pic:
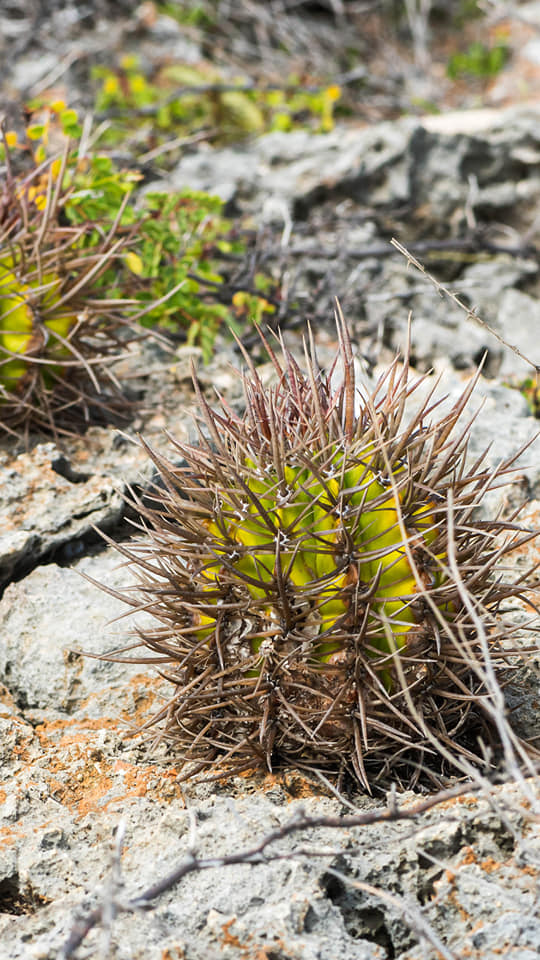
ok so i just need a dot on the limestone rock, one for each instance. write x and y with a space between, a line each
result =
46 504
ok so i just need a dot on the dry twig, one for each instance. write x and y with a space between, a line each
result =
469 311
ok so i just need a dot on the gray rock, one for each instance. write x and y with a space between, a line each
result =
29 71
439 328
385 165
501 425
491 168
44 505
224 173
519 320
48 620
487 279
296 907
530 11
369 165
485 282
165 38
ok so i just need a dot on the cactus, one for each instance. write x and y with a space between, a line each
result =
297 564
59 330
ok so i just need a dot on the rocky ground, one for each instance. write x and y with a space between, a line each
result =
462 880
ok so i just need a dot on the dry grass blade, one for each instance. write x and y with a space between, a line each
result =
469 311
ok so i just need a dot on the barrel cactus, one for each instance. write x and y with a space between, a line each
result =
60 329
297 563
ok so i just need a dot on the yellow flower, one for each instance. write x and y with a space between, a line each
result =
333 92
56 166
137 83
111 85
134 263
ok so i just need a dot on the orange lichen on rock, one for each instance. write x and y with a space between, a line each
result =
296 785
245 948
66 732
173 953
10 835
230 939
84 779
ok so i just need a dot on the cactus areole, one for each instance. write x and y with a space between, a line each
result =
297 566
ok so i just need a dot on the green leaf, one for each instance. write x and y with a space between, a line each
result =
68 117
35 131
134 263
73 130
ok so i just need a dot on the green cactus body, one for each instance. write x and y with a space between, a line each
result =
301 521
19 301
15 327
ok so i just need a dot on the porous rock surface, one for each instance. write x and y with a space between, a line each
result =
462 881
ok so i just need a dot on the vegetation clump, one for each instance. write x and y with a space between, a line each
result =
478 60
85 266
187 100
60 329
317 577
